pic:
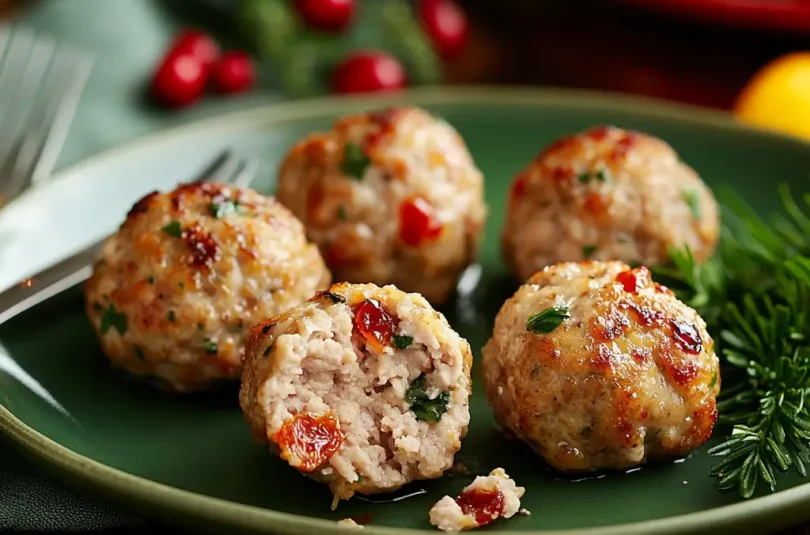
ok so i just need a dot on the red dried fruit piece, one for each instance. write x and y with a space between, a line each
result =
417 222
368 71
634 280
375 324
686 337
307 440
484 505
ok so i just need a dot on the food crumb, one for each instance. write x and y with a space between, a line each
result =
483 501
684 482
350 522
524 512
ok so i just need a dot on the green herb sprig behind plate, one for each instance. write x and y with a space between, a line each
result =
755 297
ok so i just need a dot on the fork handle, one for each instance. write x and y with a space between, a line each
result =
48 282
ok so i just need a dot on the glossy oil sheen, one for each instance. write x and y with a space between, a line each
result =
201 444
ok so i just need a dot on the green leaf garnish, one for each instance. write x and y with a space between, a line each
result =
691 198
173 229
588 250
113 319
546 321
402 341
426 409
223 208
355 162
602 175
753 294
583 177
210 346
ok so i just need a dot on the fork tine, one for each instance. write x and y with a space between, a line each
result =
14 62
32 157
246 172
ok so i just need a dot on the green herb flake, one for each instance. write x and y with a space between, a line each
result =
171 315
546 321
583 177
402 341
426 409
210 346
150 279
223 208
181 285
714 379
173 229
623 238
113 319
602 175
200 326
691 198
535 373
341 213
588 250
355 162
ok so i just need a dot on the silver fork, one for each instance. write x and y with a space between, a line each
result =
71 271
41 82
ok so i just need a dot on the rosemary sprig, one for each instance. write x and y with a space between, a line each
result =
754 295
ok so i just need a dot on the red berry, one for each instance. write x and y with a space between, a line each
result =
179 80
445 23
326 15
197 44
368 71
234 72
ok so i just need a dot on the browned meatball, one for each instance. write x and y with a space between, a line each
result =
607 194
175 290
391 197
596 366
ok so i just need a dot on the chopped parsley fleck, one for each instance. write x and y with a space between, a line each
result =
426 409
583 177
200 326
714 379
588 250
151 279
112 318
546 321
341 213
402 341
139 353
223 208
173 229
602 175
355 162
181 285
336 298
171 315
210 346
623 238
691 198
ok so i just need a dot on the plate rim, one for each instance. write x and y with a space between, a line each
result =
162 500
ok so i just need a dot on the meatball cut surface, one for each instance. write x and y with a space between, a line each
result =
391 197
364 388
596 366
607 194
176 289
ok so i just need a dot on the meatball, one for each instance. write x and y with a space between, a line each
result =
607 194
483 501
391 197
364 388
175 290
596 366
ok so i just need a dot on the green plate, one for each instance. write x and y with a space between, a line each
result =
192 460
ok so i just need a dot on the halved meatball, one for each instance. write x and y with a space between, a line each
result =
391 197
176 289
483 501
607 194
364 388
596 366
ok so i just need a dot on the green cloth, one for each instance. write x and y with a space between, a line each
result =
127 38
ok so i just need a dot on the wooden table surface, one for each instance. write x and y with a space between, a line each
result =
601 44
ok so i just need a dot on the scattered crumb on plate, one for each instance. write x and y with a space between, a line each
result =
524 512
483 501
